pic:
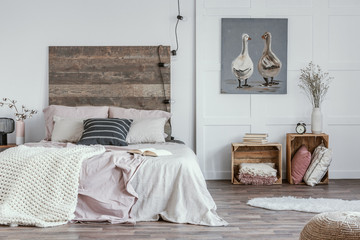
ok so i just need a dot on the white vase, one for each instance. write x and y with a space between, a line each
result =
316 121
20 132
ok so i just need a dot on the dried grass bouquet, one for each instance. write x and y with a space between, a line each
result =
24 114
315 83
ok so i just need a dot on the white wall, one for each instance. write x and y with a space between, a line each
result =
325 31
27 28
320 30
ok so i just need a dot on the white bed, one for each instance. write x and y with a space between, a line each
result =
114 186
117 187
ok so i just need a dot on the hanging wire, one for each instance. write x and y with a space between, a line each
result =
166 100
161 74
176 35
179 17
179 8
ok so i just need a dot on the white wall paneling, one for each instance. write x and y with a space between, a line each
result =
276 4
217 141
341 36
344 4
29 27
323 31
345 144
216 4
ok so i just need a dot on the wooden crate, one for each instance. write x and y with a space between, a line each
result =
255 153
294 141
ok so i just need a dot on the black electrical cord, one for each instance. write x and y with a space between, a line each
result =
176 36
179 17
161 65
166 100
179 8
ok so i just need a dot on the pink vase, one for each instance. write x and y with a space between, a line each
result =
20 132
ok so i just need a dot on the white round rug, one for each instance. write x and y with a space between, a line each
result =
314 205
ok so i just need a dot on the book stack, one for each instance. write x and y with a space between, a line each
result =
255 138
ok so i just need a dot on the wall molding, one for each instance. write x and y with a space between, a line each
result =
343 120
335 174
277 121
216 175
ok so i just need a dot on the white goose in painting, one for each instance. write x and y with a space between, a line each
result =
269 64
242 66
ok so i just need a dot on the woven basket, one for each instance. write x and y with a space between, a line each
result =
333 225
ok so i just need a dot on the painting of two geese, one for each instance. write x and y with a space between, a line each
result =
254 56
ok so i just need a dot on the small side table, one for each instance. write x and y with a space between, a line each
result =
255 153
4 147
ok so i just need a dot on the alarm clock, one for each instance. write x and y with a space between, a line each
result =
300 127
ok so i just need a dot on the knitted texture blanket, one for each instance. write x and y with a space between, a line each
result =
39 185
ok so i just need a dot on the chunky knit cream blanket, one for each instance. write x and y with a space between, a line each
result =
39 185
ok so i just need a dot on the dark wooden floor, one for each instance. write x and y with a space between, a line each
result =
245 222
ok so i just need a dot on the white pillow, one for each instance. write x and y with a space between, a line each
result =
131 113
320 162
147 131
80 112
67 130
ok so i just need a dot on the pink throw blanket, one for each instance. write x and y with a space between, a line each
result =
256 180
104 190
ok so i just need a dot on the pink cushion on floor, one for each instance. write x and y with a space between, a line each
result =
300 163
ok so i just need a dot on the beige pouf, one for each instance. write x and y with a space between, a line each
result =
332 225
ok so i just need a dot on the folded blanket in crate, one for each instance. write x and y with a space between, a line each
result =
257 173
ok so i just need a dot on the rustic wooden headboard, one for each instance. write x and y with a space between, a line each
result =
110 76
127 76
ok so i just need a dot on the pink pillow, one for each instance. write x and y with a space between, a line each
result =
82 112
300 163
131 113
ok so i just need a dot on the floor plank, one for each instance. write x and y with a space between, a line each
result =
245 222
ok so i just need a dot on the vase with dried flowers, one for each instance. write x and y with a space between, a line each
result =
25 113
315 84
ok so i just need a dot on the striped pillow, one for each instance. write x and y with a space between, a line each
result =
105 131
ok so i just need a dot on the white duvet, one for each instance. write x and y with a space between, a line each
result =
173 188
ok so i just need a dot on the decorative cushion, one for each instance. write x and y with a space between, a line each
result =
83 112
147 131
131 113
136 114
333 225
320 163
67 130
300 163
105 131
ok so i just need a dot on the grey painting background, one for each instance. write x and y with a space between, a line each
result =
231 45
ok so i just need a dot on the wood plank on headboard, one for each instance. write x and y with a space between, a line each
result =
126 76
